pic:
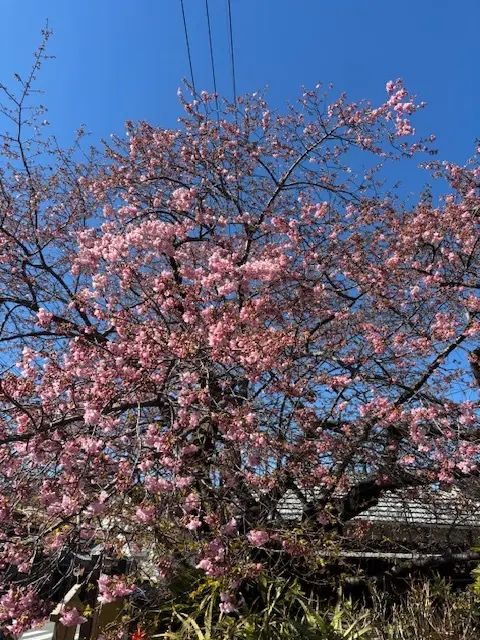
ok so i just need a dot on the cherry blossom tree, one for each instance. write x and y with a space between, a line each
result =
194 321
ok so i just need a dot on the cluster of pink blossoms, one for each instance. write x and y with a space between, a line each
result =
110 588
21 609
71 617
258 538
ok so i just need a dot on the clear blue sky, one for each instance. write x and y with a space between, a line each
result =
124 59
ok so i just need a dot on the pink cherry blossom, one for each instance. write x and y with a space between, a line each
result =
258 538
145 514
44 318
193 524
113 587
71 617
228 603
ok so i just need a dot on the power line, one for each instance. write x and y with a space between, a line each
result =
232 55
188 46
211 51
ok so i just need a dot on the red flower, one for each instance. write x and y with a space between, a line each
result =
138 635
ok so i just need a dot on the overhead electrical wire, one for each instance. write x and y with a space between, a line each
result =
212 59
188 46
232 54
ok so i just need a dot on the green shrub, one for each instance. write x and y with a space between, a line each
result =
279 609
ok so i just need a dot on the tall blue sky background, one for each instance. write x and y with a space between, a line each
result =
124 59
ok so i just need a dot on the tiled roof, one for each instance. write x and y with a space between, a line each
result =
431 507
